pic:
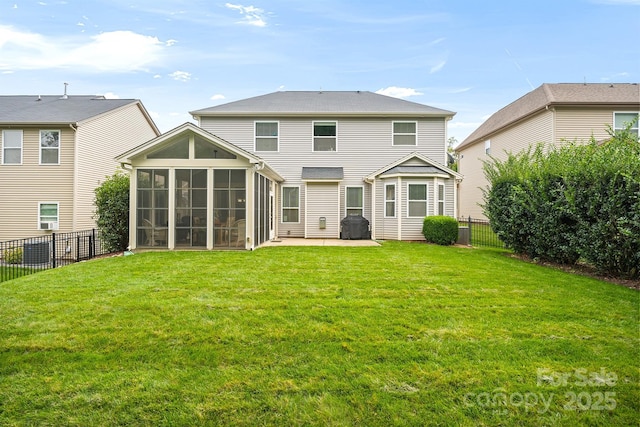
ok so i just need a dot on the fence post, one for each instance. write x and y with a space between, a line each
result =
92 244
470 233
53 250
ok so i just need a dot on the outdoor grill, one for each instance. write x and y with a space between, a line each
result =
354 227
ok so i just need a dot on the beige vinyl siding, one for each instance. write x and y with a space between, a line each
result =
536 129
580 123
99 140
23 186
319 205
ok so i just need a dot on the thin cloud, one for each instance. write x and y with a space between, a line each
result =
251 15
398 92
439 66
181 76
111 95
115 51
217 97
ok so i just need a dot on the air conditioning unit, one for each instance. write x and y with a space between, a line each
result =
48 226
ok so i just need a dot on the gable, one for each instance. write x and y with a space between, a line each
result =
414 165
180 147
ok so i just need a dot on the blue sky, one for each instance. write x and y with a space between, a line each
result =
471 57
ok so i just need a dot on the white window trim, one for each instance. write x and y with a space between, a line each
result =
426 201
346 207
255 136
395 199
487 147
40 147
443 200
21 146
57 221
282 207
393 133
637 124
313 125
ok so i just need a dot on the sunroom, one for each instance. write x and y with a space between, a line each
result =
191 189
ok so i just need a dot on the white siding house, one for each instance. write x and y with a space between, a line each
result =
324 155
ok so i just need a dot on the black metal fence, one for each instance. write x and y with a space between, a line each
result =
479 232
31 255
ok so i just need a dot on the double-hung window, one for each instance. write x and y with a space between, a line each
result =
355 201
405 133
11 147
417 200
622 120
390 201
48 215
49 147
440 199
325 136
266 136
291 204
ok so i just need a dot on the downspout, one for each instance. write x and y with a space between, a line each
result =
74 208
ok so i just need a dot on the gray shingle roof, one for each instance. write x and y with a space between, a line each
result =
315 102
322 173
52 109
556 94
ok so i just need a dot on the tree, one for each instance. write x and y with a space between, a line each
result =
112 211
452 156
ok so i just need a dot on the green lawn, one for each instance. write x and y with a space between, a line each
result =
402 334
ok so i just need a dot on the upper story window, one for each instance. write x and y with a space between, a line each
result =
417 200
325 136
266 136
49 147
487 147
405 133
355 201
291 204
622 120
11 147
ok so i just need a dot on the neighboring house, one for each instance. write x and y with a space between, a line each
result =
292 164
54 151
550 114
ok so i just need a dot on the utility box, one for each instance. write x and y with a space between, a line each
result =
36 253
463 236
323 222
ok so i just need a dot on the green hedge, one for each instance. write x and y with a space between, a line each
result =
442 230
112 211
12 256
572 202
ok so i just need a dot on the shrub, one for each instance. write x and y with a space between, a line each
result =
572 202
112 211
442 230
12 256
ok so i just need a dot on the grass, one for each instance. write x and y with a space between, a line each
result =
13 272
402 334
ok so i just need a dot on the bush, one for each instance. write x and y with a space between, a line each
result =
442 230
572 202
12 256
112 211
